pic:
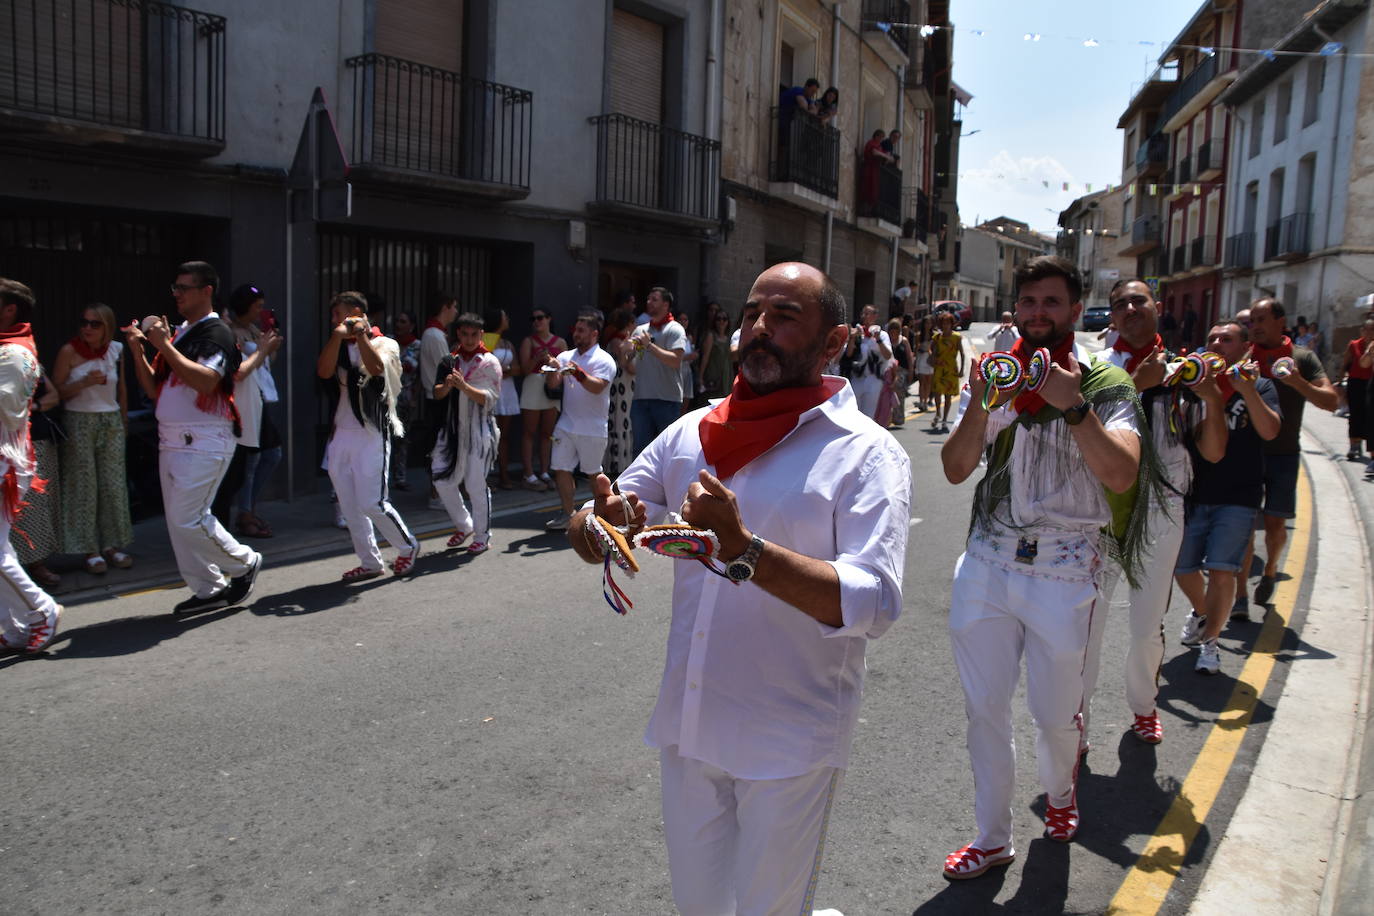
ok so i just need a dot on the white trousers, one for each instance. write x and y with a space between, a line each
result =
469 471
357 461
1148 606
997 614
206 554
867 389
22 603
743 846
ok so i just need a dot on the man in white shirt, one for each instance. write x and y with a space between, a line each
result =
765 665
434 346
192 381
28 615
367 368
579 439
1003 337
867 354
467 385
1028 581
659 348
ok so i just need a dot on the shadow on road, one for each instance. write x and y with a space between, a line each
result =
1044 886
124 636
311 599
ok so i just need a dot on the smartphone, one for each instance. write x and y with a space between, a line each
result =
268 320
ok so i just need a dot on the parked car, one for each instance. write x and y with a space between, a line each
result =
963 314
1097 318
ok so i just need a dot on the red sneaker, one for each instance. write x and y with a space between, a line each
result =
1148 728
1061 824
41 634
360 573
970 862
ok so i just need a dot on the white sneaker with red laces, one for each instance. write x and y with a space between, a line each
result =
406 562
970 862
458 539
1061 824
41 634
1148 728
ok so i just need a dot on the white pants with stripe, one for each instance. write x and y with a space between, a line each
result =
469 471
22 602
743 846
999 613
357 461
1148 606
207 555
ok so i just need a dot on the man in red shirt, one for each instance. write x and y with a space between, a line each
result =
1358 367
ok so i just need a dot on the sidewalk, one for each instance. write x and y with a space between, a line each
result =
1302 836
303 528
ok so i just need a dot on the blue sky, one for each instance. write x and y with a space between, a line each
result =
1046 110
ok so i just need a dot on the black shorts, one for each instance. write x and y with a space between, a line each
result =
1281 485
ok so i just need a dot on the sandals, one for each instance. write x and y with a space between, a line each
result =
253 527
360 573
95 565
458 539
44 576
406 562
970 862
117 558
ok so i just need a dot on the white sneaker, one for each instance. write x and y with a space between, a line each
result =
1192 630
1209 658
339 520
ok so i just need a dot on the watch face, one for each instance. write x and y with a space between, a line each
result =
739 572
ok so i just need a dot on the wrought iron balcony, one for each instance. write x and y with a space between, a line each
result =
1190 86
879 191
649 169
917 223
880 14
1209 160
1180 260
1145 235
805 151
1183 172
412 122
1202 251
79 69
1152 155
1288 238
1240 251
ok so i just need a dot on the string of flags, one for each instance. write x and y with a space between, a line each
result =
1328 49
1147 188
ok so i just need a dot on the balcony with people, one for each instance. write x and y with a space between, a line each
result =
804 160
134 75
878 195
424 126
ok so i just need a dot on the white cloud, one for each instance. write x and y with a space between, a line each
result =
1006 168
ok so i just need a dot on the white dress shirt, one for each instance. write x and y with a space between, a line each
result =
584 413
751 684
1003 338
1041 499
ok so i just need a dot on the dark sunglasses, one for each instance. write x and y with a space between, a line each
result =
539 318
90 323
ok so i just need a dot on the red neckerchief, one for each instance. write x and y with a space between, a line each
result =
1030 402
745 425
1137 354
865 330
661 324
20 334
466 355
406 340
1265 356
435 323
85 350
1227 389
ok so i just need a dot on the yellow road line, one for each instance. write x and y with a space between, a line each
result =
1149 880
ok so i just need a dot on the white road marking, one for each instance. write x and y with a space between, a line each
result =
915 522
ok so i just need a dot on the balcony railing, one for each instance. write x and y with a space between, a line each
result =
880 191
917 223
1180 261
1191 85
1202 251
805 151
643 164
418 118
1209 158
1289 237
1151 155
128 64
1183 172
880 14
1240 251
1145 231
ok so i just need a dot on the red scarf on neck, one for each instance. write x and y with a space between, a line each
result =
1265 356
745 425
466 355
435 323
661 323
1137 354
406 340
85 350
20 334
1227 389
1030 402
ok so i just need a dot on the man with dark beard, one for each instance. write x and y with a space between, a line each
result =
765 665
1029 580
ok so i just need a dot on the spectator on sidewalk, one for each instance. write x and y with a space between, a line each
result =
1178 419
1004 336
1282 453
579 440
619 434
925 330
192 381
89 376
467 384
690 354
28 615
947 358
1226 497
434 346
497 324
864 360
659 346
409 400
717 373
1359 423
367 368
538 411
898 375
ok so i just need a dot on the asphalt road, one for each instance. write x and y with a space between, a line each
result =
469 741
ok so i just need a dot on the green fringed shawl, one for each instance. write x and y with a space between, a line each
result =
1126 533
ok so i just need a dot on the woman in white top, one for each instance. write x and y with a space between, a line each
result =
495 324
89 376
254 388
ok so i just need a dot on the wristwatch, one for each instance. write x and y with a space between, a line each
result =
741 568
1074 415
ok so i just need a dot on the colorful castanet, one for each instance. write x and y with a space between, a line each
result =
1216 363
1188 370
679 542
1038 369
1244 370
1003 376
1283 367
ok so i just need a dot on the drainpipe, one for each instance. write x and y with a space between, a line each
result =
835 24
1331 172
713 73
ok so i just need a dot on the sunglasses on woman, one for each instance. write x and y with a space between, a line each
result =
90 323
540 318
